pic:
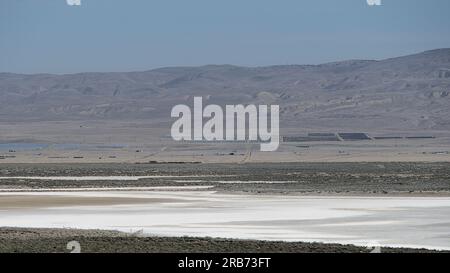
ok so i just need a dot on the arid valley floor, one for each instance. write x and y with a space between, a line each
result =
251 207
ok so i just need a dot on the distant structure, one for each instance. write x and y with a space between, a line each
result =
327 137
347 137
354 136
312 137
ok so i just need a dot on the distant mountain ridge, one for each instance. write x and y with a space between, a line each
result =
408 93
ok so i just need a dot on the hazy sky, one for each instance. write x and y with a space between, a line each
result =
126 35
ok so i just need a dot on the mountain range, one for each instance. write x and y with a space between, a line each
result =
405 93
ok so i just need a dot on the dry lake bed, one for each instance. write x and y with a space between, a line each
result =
397 205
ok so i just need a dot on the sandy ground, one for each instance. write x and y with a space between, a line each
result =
9 202
124 149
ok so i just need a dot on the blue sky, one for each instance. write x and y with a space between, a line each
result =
38 36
